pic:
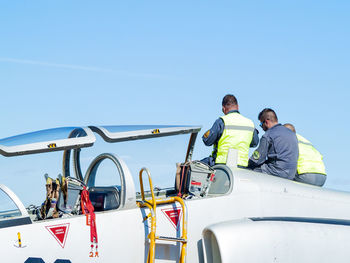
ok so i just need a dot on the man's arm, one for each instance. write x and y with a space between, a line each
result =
213 135
260 154
255 140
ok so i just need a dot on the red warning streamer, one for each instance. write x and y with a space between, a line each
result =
88 210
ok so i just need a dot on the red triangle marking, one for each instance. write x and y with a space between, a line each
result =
59 232
173 215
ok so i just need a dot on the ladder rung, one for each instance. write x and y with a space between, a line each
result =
175 239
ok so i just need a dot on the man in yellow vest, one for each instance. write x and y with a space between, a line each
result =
310 169
230 131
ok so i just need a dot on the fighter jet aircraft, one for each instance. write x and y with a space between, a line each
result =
208 214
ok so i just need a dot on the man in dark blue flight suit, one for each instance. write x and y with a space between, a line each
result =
277 153
230 131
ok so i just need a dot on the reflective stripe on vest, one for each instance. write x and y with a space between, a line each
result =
237 134
310 160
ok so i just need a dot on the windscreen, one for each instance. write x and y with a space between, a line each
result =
8 209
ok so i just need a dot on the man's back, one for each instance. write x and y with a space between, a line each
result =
283 152
277 153
310 169
230 131
310 160
237 134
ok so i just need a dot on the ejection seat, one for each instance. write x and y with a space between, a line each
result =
198 180
71 203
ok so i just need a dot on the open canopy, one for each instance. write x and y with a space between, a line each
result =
137 132
65 138
47 140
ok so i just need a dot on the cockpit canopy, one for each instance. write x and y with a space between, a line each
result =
56 153
66 138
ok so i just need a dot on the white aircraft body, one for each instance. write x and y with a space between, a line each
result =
232 215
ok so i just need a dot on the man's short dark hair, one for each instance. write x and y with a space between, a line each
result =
268 114
229 100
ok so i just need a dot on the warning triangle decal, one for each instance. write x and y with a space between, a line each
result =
59 232
173 215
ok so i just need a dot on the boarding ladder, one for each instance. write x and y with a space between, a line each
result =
151 204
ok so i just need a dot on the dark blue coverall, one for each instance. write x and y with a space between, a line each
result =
212 137
277 153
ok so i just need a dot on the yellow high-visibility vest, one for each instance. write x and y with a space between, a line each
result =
310 160
237 134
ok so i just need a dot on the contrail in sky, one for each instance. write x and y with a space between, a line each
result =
79 67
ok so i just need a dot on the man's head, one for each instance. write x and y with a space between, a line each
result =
289 126
267 118
229 103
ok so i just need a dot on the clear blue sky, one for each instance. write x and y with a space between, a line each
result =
65 63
